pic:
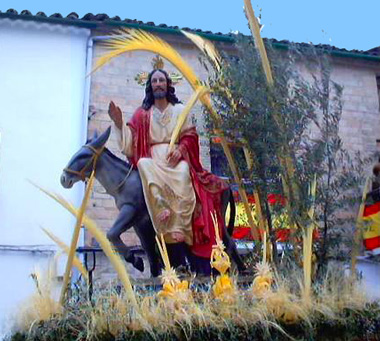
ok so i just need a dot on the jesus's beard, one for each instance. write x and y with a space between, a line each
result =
159 94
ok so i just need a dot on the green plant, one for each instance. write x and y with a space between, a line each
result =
299 114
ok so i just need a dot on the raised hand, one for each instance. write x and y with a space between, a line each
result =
115 114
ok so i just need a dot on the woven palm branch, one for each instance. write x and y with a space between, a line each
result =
75 236
128 40
359 228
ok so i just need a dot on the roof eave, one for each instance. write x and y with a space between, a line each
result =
336 53
50 20
164 30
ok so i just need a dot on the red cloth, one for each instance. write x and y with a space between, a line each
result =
139 125
371 209
282 235
208 187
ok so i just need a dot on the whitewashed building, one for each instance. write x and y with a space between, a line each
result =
42 123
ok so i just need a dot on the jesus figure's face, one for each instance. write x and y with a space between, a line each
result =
159 85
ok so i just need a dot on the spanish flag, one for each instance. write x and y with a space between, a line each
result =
371 234
242 229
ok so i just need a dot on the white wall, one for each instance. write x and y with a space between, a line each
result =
42 82
17 284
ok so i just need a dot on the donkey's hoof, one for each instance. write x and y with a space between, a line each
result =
139 264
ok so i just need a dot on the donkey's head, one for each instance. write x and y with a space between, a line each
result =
83 162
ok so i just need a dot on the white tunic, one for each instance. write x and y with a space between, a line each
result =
164 187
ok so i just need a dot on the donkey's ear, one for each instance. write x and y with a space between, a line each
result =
93 138
102 139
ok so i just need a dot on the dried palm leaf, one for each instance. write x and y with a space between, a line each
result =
129 40
183 116
207 47
76 262
255 30
104 244
75 237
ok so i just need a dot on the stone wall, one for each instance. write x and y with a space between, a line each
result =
360 124
360 121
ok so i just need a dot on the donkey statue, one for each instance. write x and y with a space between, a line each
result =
123 183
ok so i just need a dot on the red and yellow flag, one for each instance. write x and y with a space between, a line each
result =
279 222
371 234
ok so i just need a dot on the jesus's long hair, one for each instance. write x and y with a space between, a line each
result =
149 97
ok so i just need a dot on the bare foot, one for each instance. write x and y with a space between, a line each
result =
178 237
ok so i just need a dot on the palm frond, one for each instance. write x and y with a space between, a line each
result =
75 236
182 117
76 262
163 251
128 40
255 30
206 47
209 49
104 244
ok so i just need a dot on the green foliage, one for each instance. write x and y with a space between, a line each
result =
297 119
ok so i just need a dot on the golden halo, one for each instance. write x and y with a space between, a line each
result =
157 63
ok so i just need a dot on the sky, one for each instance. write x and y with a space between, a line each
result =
341 23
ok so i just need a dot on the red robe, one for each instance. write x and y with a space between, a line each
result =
208 187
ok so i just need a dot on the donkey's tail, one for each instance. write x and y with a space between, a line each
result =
231 223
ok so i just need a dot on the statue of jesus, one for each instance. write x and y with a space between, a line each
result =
180 195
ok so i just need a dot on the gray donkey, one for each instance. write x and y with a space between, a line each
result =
123 182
